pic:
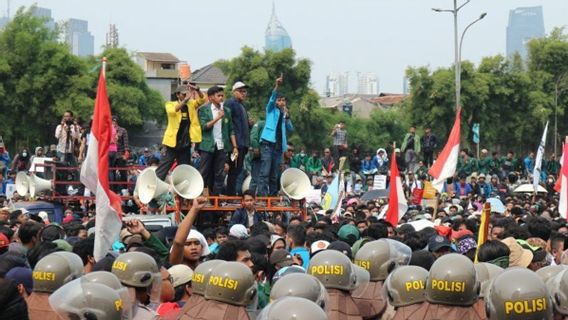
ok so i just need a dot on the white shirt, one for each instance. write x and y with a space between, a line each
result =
217 132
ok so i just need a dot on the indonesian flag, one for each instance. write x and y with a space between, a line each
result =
94 174
563 203
397 201
445 165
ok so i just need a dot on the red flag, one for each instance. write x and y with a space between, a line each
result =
445 165
94 174
397 201
563 178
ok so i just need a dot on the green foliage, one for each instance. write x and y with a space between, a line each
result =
40 79
130 97
259 70
36 73
511 99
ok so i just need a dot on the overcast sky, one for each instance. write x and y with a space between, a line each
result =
379 36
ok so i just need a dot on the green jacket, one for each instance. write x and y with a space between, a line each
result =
208 143
299 161
416 143
157 245
314 165
553 167
485 165
255 134
467 168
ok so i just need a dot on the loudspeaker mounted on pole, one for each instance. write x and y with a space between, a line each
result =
187 182
38 185
295 183
22 183
149 186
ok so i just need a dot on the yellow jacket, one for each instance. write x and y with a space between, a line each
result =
174 119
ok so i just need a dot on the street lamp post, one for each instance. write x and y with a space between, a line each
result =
457 48
458 66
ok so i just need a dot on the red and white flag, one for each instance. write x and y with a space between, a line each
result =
397 201
563 178
94 174
445 165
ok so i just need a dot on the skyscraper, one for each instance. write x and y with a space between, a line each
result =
367 83
337 84
46 14
80 40
525 23
276 38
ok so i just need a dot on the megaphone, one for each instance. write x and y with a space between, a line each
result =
295 183
246 183
38 185
187 181
22 183
149 186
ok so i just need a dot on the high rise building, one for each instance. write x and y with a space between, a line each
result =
337 84
5 19
276 37
46 14
77 36
367 83
525 23
112 37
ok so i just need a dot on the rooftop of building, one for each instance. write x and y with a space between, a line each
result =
159 57
209 74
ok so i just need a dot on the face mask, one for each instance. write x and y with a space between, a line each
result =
24 154
302 153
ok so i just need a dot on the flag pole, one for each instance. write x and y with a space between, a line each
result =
104 66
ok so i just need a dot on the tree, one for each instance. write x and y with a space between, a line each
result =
259 70
131 99
36 74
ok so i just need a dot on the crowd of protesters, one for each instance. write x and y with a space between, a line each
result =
428 266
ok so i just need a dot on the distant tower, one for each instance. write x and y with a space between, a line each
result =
276 38
524 24
112 37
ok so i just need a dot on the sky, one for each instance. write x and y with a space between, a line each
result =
377 36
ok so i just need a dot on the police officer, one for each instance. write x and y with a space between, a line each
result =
231 287
300 285
139 272
50 273
485 272
557 287
110 280
336 273
452 289
84 300
548 272
363 276
199 282
405 288
518 293
292 308
379 257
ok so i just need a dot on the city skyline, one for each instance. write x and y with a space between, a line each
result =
378 36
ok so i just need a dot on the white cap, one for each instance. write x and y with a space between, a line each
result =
181 274
318 246
239 85
43 215
239 231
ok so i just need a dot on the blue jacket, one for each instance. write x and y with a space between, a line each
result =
458 191
368 165
529 165
272 116
240 216
240 122
484 190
